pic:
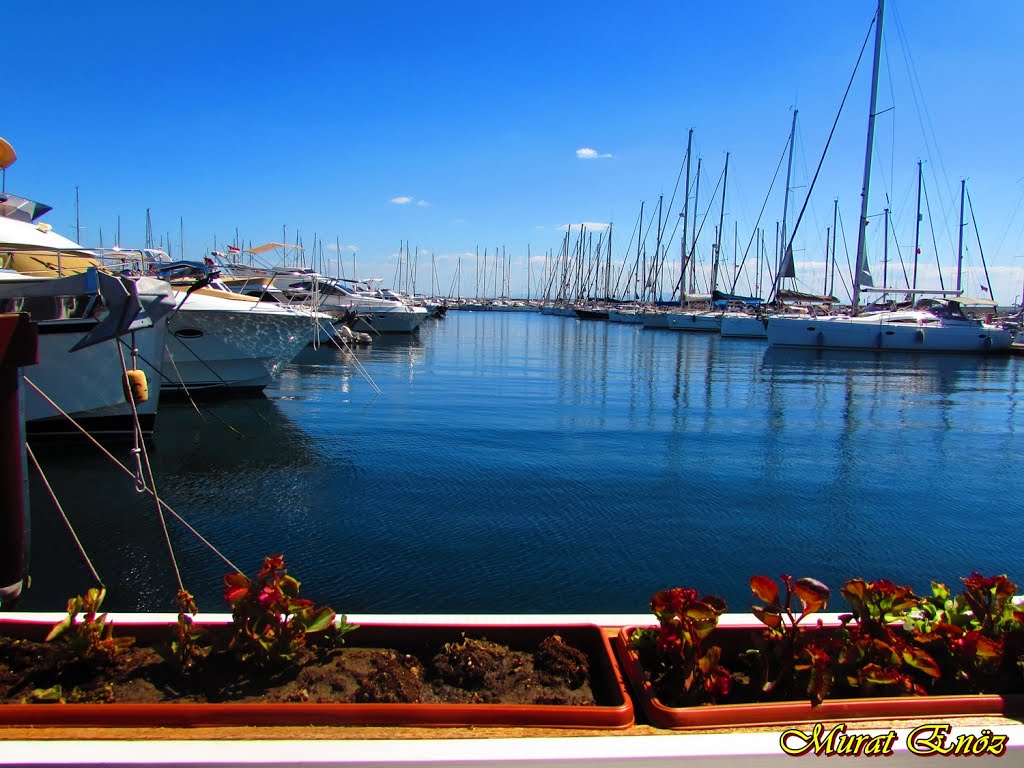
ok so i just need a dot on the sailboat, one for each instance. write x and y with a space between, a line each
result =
931 324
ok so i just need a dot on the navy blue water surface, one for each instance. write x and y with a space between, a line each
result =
526 463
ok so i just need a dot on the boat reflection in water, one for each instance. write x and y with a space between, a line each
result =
240 471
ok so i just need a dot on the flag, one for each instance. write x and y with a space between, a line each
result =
984 288
233 249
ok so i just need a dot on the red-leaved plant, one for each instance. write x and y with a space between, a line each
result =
788 657
270 622
977 636
878 656
89 635
680 667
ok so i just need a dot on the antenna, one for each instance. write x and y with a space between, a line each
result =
7 158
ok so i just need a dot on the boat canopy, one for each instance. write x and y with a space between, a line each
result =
21 208
809 298
273 246
975 302
732 298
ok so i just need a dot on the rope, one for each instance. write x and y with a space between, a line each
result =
128 472
353 359
140 448
63 516
180 381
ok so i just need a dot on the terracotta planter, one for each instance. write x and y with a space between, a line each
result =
613 709
790 712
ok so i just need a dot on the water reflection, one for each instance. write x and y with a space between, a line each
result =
508 453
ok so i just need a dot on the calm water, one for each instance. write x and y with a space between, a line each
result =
526 463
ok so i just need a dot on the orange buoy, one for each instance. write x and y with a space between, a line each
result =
135 386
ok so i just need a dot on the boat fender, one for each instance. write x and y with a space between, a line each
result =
919 336
987 343
135 386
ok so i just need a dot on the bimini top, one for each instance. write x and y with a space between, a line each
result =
274 246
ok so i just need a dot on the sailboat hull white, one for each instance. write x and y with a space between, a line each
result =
703 322
867 333
743 327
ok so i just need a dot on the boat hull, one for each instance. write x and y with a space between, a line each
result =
389 320
861 333
743 327
210 350
86 384
701 322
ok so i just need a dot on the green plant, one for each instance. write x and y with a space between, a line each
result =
680 667
90 636
270 622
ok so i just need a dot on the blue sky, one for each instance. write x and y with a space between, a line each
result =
458 126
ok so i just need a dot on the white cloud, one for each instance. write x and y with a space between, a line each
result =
342 248
422 203
591 226
586 153
401 200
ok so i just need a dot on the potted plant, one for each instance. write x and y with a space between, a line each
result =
282 660
894 655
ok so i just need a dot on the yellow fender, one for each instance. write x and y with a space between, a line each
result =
136 387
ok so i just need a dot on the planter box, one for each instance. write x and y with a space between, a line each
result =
787 713
613 709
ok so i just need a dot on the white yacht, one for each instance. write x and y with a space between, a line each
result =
220 341
354 300
79 318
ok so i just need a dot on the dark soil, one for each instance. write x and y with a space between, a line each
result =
468 670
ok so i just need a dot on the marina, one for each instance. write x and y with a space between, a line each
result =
547 473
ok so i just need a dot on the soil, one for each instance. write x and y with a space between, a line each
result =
468 670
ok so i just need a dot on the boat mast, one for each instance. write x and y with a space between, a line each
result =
960 247
917 224
785 205
693 245
718 234
885 255
831 284
862 226
686 209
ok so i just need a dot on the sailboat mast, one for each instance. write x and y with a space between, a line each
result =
693 245
785 199
960 247
863 224
917 224
718 234
885 254
686 211
830 283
